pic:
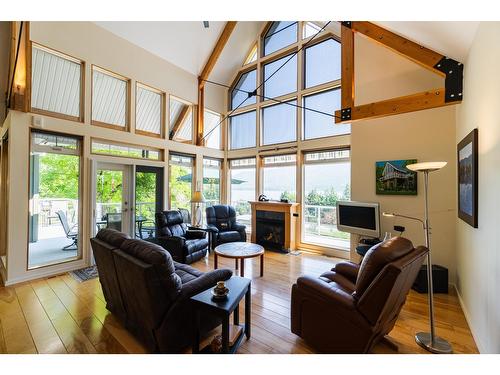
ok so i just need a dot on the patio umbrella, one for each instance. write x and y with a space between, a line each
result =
207 180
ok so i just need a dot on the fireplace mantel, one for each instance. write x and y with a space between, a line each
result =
290 211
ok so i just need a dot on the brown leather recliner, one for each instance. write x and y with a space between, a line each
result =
351 307
149 292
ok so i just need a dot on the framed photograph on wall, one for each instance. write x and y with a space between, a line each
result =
467 178
393 178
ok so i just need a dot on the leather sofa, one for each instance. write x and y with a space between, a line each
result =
350 308
185 246
149 292
221 219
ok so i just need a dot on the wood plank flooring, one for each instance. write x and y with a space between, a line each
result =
61 315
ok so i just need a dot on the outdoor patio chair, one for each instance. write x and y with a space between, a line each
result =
70 232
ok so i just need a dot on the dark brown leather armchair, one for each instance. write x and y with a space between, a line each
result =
149 292
351 307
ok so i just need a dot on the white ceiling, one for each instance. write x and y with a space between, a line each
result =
188 44
449 38
185 44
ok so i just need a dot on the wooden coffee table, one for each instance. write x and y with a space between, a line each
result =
242 251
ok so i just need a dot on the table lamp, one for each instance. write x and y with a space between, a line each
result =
427 340
198 199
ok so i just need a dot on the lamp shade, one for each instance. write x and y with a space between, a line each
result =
197 197
429 166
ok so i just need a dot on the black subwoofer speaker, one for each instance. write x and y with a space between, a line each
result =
439 279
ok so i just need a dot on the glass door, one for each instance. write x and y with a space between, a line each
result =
148 199
54 203
112 197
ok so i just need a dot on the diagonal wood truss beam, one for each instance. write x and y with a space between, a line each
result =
205 73
446 67
181 119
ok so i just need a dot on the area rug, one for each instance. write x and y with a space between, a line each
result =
85 274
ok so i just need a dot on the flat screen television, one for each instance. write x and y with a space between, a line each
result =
358 218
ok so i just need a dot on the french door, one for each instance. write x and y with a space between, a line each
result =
112 197
148 197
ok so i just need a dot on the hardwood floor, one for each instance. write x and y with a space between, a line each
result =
61 315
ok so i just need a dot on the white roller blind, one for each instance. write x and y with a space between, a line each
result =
55 83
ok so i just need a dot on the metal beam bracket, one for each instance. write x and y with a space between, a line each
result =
346 23
345 114
454 71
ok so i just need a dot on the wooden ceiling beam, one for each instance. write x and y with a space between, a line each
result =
347 69
449 69
205 73
403 104
405 47
219 47
180 120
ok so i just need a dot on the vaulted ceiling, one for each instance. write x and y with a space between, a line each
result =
189 44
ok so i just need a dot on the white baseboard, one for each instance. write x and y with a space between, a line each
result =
40 273
479 345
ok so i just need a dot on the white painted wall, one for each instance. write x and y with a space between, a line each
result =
427 135
478 250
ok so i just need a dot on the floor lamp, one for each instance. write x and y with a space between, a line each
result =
198 199
428 340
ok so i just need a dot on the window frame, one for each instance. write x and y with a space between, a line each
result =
79 151
317 41
193 115
193 177
262 38
127 81
285 55
162 110
247 69
337 249
284 103
230 130
221 173
303 119
161 153
220 129
255 166
82 63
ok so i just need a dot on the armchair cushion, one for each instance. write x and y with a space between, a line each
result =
213 228
338 278
347 269
195 245
186 273
229 236
204 282
329 292
195 234
239 227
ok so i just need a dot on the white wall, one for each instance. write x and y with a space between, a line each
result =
478 250
427 135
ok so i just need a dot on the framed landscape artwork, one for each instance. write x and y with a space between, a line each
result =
393 178
467 178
